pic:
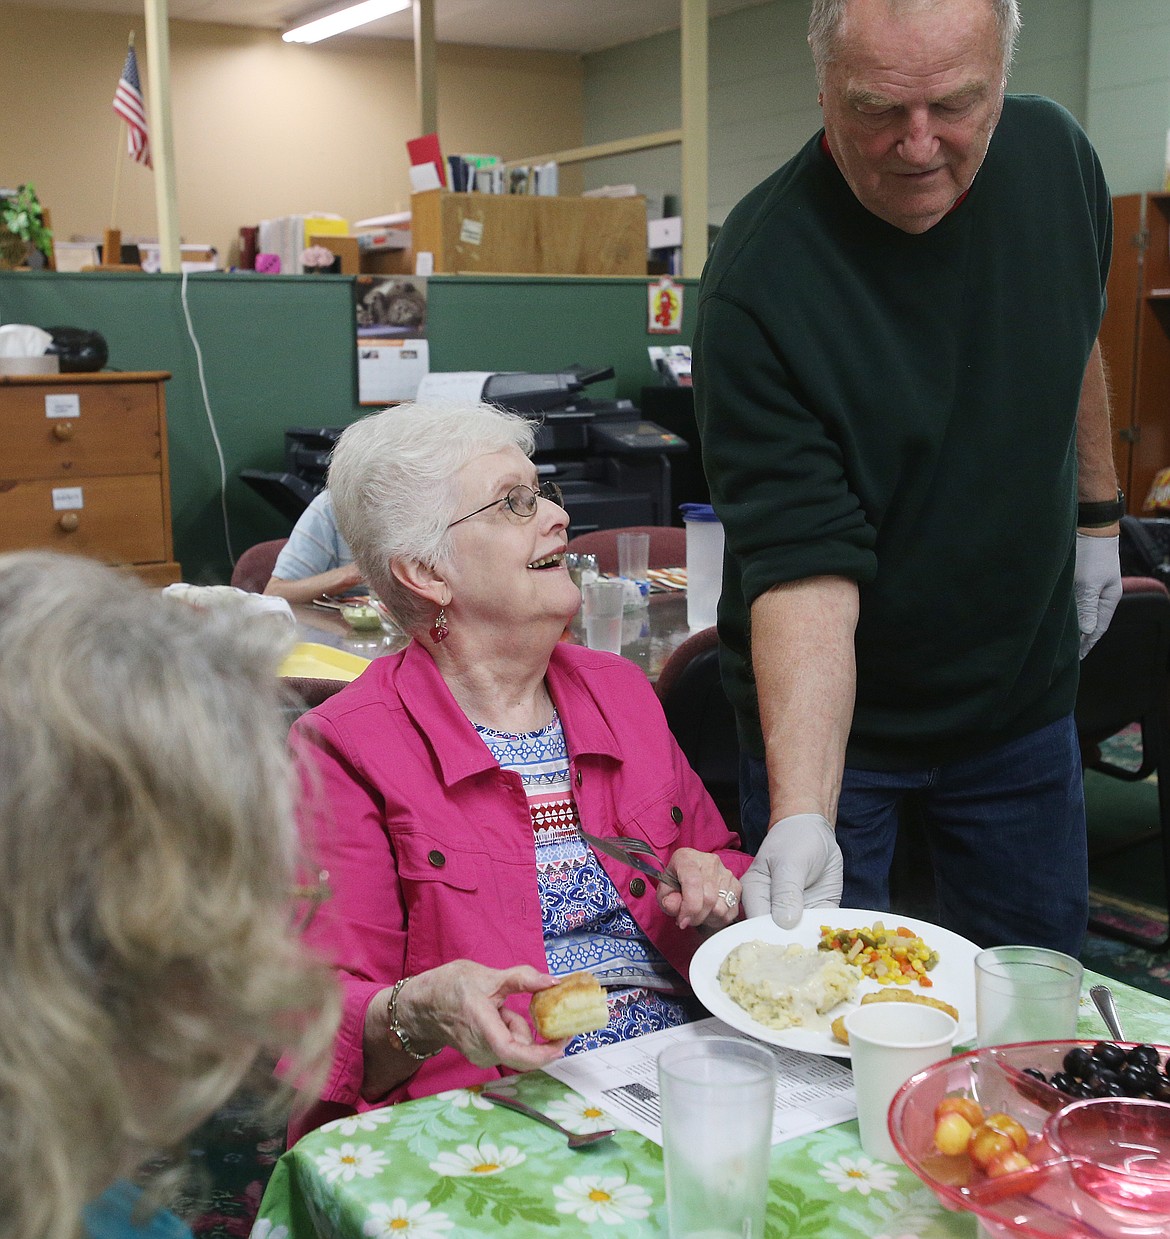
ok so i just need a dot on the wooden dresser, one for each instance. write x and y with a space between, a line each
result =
83 468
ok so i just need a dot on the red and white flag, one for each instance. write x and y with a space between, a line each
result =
129 105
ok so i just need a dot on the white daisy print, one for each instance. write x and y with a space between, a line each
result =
350 1160
469 1098
265 1230
579 1115
471 1159
399 1218
351 1124
598 1198
859 1174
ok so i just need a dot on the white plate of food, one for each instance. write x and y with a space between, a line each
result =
952 978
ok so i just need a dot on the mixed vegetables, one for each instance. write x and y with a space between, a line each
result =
889 956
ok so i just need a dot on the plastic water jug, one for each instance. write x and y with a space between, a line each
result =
704 563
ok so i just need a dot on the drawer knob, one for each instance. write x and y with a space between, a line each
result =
69 521
63 430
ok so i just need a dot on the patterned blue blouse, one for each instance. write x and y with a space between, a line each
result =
586 925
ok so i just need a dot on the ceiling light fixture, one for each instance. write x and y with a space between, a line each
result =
337 21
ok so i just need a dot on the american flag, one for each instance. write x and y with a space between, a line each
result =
129 105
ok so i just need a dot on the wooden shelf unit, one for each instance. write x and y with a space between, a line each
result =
1135 341
85 469
524 234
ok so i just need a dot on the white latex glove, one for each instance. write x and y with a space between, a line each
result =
1098 586
798 866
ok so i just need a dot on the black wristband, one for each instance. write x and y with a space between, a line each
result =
1098 515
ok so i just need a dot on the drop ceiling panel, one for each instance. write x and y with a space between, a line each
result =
545 25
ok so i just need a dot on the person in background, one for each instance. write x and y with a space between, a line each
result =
315 560
904 422
149 853
453 779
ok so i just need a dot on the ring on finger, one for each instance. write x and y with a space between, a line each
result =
730 898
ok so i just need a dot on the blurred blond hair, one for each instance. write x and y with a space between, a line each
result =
147 851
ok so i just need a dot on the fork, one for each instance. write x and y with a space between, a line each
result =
635 853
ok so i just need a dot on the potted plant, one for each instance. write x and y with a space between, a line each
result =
25 240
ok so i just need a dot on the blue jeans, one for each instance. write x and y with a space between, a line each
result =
1004 836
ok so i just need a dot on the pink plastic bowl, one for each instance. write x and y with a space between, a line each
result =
1122 1151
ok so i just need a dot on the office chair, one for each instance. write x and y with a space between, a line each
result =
1125 679
254 567
701 718
668 546
303 692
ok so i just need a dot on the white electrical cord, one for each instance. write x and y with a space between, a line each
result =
227 536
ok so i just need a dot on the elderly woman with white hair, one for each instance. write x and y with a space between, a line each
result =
453 779
150 861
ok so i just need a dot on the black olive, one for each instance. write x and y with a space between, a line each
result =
1134 1081
1109 1055
1161 1089
1144 1056
1107 1088
1063 1081
1036 1074
1106 1076
1082 1090
1079 1062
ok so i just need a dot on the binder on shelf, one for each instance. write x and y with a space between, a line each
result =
426 163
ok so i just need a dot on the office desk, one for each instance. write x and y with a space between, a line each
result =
454 1165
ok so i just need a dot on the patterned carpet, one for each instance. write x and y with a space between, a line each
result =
1145 968
1127 889
232 1156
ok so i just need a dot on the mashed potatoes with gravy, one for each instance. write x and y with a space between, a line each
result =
787 986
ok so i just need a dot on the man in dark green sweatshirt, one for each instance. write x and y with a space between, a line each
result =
902 404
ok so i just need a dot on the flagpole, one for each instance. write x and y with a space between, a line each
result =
118 157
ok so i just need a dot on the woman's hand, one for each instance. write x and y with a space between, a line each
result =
710 891
332 581
461 1004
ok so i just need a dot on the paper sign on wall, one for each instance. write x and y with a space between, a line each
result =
666 303
390 370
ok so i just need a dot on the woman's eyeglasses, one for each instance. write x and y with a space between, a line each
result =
521 500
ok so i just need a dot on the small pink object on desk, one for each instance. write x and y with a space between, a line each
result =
268 264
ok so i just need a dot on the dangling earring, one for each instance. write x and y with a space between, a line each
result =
439 629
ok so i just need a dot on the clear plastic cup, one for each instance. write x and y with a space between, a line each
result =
633 551
602 604
1026 993
717 1096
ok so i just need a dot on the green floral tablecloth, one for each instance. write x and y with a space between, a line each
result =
455 1165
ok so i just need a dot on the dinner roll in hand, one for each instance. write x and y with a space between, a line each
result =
575 1005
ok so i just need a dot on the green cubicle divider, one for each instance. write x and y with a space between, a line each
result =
280 351
546 323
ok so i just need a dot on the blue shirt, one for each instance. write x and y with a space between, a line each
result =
315 544
108 1217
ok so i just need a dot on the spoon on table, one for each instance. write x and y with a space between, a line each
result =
1102 997
577 1140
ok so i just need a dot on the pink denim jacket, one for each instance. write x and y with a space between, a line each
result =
429 846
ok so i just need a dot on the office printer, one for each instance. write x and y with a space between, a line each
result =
613 466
